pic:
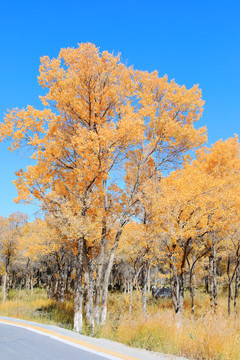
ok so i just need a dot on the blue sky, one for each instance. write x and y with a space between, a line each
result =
190 41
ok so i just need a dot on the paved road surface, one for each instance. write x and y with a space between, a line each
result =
24 340
20 344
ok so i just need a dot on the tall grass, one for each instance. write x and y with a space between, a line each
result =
37 307
202 336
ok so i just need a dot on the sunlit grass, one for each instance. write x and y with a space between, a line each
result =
37 307
202 336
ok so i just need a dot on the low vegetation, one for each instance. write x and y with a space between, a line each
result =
204 336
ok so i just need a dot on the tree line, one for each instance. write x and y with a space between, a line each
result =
114 179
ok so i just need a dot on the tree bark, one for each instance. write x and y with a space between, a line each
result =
99 274
177 287
27 285
31 285
20 289
130 294
144 288
62 280
5 280
213 277
229 284
107 275
88 287
192 290
77 326
49 284
149 278
236 278
236 288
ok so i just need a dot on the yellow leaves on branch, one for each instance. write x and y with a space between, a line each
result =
198 199
100 118
11 233
38 239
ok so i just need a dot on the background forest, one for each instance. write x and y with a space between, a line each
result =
131 198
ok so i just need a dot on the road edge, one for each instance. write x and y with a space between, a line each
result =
88 343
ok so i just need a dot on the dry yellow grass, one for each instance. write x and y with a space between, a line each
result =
204 336
37 307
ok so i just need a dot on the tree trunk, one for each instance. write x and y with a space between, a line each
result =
130 292
174 288
206 282
77 326
107 275
55 292
31 284
149 278
156 276
27 275
192 282
5 279
49 283
8 288
68 280
88 288
174 282
144 288
177 287
213 278
20 289
229 284
191 288
236 278
99 275
181 293
38 279
63 281
236 287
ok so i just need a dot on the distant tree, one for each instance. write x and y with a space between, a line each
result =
11 231
190 208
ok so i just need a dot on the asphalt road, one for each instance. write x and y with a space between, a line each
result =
27 340
20 344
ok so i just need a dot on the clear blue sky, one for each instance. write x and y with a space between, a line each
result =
190 41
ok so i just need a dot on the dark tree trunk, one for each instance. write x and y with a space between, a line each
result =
236 287
229 284
213 277
100 274
27 284
237 278
62 272
149 278
177 288
49 285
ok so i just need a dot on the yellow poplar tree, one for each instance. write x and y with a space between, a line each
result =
100 116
